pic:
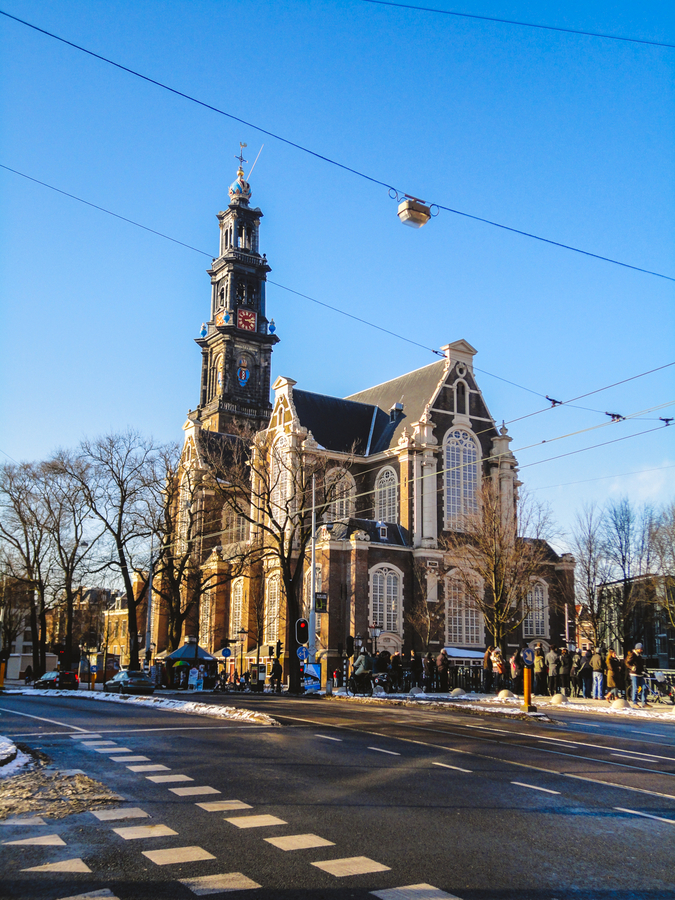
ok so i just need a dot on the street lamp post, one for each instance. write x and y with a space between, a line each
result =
375 631
242 632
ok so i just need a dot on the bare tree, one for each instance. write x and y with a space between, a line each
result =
266 480
15 603
28 555
626 534
592 568
662 540
122 478
496 556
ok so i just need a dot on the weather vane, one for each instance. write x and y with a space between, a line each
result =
241 155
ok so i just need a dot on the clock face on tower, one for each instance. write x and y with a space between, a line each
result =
246 319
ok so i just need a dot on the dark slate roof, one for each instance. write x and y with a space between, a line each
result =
335 424
395 533
414 390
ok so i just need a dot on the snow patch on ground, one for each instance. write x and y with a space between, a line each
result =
15 765
191 707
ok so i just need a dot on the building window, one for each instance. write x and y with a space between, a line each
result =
536 621
280 479
463 619
461 477
386 496
235 526
205 619
272 604
385 599
236 609
341 488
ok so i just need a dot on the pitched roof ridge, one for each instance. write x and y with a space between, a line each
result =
331 397
392 380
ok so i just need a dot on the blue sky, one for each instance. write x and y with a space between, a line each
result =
566 136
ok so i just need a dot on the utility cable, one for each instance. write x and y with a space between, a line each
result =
462 15
549 487
324 158
344 312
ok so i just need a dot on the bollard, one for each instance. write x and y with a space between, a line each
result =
329 687
527 691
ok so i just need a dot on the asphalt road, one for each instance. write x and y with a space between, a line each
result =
476 807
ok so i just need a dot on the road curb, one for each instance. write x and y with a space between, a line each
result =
8 751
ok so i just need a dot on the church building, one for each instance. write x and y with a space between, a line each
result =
411 455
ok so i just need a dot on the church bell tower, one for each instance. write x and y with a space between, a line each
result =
237 340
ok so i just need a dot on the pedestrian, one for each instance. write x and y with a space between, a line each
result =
565 668
552 670
429 673
614 676
417 668
516 663
498 668
575 677
28 674
443 669
598 667
586 674
635 664
396 667
539 672
487 669
275 676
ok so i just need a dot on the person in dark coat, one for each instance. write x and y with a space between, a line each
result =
615 681
575 677
552 670
565 668
443 668
539 672
275 676
586 674
417 668
429 673
635 664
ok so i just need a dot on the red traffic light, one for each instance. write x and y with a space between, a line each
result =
302 631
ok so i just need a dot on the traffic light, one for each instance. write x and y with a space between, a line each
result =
302 631
278 649
350 645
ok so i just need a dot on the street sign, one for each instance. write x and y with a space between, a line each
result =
528 656
93 669
303 653
320 601
226 652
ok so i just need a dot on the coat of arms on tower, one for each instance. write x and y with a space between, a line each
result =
243 372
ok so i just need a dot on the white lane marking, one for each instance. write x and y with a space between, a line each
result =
634 812
535 787
126 759
153 767
111 748
299 842
81 737
168 779
46 840
42 719
650 733
447 766
351 865
31 820
89 743
103 894
255 821
111 815
222 805
380 750
66 865
214 884
414 892
135 832
641 759
193 791
327 737
177 855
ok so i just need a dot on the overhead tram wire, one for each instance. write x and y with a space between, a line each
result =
463 15
327 159
549 487
341 311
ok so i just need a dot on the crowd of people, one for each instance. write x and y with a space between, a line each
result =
580 673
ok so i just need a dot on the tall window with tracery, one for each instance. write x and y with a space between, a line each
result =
463 619
461 477
184 512
534 623
307 589
235 526
205 619
236 609
272 609
280 478
385 599
386 496
341 487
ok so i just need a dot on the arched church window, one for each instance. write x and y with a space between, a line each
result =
461 477
236 608
463 619
386 496
385 599
341 489
280 479
272 609
535 623
461 399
